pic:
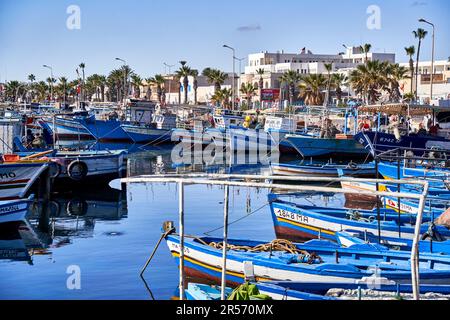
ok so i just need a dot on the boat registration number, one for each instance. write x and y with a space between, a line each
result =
290 215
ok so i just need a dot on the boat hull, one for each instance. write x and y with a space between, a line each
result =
16 179
316 147
140 134
11 211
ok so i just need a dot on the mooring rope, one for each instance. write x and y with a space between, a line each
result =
280 245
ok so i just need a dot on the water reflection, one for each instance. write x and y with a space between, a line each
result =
73 215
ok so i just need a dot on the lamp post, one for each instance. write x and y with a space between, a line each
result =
432 59
170 66
125 89
51 81
232 84
240 73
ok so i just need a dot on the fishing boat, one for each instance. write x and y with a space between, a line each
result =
341 146
350 238
14 210
67 127
324 170
105 130
159 131
95 167
272 290
17 177
317 261
298 222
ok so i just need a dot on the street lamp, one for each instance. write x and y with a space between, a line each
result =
170 66
232 84
432 59
125 89
51 80
240 72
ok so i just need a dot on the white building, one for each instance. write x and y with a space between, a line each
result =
441 80
305 62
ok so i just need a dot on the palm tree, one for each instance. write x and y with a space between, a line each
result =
338 80
31 78
369 79
215 77
410 51
311 89
222 97
41 88
260 72
115 83
158 80
291 78
13 90
366 49
194 74
136 82
249 91
418 34
82 66
51 82
63 87
183 73
395 73
328 68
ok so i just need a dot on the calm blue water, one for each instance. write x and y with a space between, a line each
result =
109 234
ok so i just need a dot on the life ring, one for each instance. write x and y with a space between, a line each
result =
54 170
77 207
77 170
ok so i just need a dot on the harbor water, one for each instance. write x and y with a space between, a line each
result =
106 236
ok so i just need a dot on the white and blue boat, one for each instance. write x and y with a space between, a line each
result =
67 128
105 130
156 132
273 290
324 170
14 210
350 238
314 261
309 146
297 222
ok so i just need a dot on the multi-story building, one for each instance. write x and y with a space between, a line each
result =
441 81
305 62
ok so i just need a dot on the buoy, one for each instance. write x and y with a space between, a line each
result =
77 170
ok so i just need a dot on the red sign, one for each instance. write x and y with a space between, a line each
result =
270 94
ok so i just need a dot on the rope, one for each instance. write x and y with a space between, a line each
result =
208 233
280 245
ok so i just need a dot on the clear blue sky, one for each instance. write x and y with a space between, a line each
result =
151 32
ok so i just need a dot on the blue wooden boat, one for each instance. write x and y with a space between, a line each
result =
350 238
322 289
378 142
105 130
197 291
324 170
66 128
315 261
297 222
437 177
146 133
14 210
320 147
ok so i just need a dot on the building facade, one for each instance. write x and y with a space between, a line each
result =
441 81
